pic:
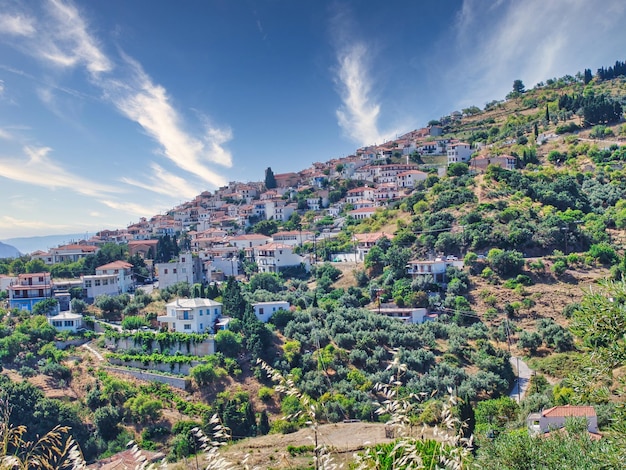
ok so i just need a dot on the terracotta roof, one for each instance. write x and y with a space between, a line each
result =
115 265
569 410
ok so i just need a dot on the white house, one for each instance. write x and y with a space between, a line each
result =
362 213
273 257
188 269
435 268
459 152
249 240
416 316
554 418
66 321
100 284
191 315
264 310
408 179
293 237
122 270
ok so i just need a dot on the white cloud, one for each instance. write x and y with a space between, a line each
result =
17 25
5 135
37 168
64 40
131 208
497 43
12 223
358 116
71 42
149 105
163 182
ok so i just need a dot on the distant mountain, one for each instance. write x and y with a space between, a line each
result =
44 243
8 251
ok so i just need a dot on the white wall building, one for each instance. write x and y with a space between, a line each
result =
435 268
264 310
188 269
273 257
121 269
100 284
66 321
191 315
459 152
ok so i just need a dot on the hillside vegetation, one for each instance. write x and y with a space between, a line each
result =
542 279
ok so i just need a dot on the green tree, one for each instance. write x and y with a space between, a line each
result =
46 307
267 281
234 305
270 180
36 266
228 343
107 420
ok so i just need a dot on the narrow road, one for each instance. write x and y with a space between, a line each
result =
522 382
93 351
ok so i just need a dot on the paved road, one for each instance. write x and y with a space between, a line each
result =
524 373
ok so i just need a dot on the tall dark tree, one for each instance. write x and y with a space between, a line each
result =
233 302
270 180
587 76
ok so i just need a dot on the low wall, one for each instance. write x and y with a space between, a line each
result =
179 368
205 348
178 382
72 342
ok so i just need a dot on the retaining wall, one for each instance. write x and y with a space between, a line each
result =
205 348
179 382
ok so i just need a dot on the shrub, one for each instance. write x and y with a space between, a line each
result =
133 322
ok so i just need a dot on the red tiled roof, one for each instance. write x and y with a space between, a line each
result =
569 410
115 265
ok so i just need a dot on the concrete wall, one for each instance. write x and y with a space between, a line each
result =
206 348
180 368
178 382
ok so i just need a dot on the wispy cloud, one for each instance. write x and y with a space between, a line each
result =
163 182
16 25
37 168
149 105
131 208
358 116
532 40
65 41
12 223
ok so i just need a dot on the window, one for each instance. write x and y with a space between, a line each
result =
57 323
182 259
174 270
216 312
200 312
186 316
165 271
187 326
97 282
201 326
261 312
105 282
68 323
88 283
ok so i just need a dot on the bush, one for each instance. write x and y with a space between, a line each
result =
133 322
505 262
106 421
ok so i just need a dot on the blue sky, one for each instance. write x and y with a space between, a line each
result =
113 110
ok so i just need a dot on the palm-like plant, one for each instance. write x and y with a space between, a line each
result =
54 450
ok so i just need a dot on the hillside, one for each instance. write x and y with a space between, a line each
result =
507 261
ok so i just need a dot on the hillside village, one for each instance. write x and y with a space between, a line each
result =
458 250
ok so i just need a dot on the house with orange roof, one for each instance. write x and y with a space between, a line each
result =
72 253
480 164
554 418
365 241
408 179
110 279
29 289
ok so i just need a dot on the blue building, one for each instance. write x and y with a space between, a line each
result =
30 289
